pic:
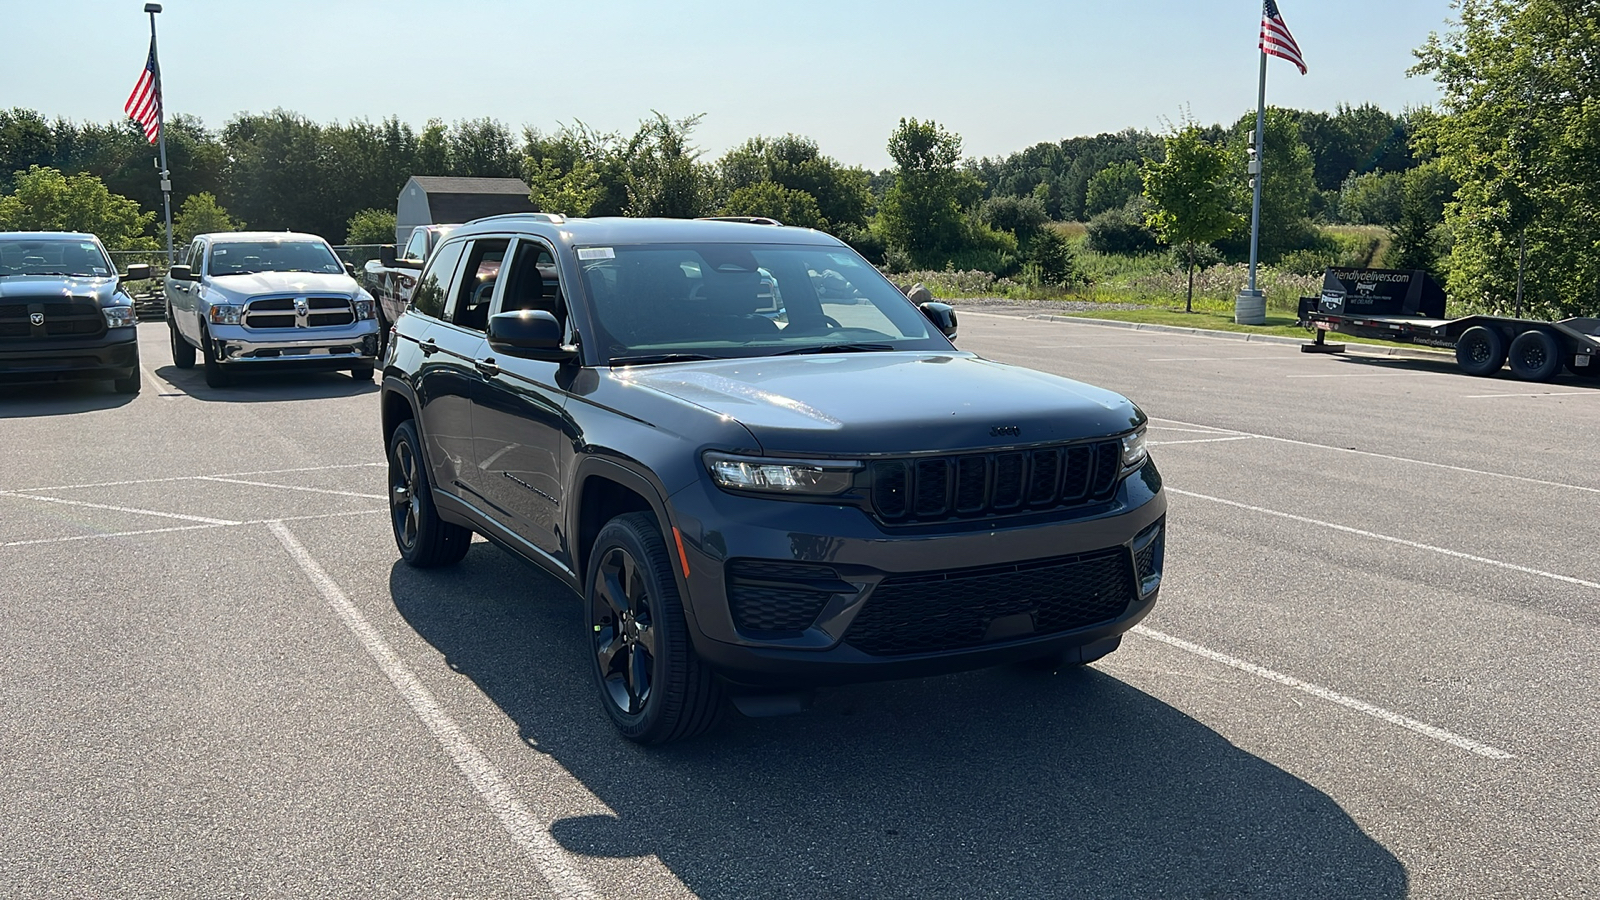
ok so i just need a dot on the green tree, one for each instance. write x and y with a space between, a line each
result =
577 171
1286 191
1372 199
773 200
1021 216
46 200
664 175
371 226
1520 134
1420 237
202 214
924 213
1112 187
796 164
1189 197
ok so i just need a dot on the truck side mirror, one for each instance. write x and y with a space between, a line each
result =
181 273
942 315
386 255
137 272
351 268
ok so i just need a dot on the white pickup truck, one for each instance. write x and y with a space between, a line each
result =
279 299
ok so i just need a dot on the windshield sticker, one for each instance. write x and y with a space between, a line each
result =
597 253
98 270
843 260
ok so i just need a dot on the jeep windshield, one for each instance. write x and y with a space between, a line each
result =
680 302
61 256
250 257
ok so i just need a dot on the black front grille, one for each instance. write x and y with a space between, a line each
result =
943 611
279 312
779 599
63 317
978 484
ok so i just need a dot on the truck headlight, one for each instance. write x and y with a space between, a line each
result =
363 306
224 314
814 478
120 316
1134 452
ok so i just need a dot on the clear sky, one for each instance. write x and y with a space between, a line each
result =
1003 74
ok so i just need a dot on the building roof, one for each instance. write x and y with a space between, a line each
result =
453 199
447 184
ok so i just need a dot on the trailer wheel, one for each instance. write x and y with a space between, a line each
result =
1480 351
1535 356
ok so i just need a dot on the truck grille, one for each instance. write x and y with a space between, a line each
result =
942 611
979 484
779 599
281 312
63 317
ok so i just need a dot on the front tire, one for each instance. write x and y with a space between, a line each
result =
182 350
216 375
652 685
362 372
425 540
129 385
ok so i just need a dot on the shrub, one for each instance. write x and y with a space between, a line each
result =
1120 230
1020 216
1048 260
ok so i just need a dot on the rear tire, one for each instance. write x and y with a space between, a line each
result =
182 350
652 685
425 540
216 375
1480 351
1535 356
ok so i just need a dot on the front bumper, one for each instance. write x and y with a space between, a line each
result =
112 355
330 347
943 583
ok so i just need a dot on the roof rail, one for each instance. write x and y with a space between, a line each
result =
748 220
552 218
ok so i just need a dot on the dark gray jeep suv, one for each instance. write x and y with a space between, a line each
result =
759 464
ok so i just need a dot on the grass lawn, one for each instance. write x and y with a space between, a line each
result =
1218 320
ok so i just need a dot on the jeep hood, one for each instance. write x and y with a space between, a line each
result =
282 283
895 402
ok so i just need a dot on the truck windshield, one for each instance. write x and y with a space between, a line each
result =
34 256
250 257
660 303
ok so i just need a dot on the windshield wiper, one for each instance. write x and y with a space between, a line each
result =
660 358
836 348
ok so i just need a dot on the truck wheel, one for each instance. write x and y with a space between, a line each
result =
182 350
1535 356
216 375
362 372
1480 351
652 685
425 540
129 385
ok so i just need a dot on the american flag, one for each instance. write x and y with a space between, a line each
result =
144 104
1275 37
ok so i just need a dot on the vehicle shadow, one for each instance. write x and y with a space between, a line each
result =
24 400
267 386
1447 366
998 783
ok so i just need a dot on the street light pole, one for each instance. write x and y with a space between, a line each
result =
161 130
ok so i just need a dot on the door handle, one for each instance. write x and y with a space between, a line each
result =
429 346
487 367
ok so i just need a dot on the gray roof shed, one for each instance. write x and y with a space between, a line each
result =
444 200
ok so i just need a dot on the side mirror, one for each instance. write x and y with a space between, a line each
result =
182 273
351 268
386 255
942 315
530 334
137 272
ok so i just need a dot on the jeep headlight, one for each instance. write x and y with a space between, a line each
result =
224 314
814 478
1134 452
120 316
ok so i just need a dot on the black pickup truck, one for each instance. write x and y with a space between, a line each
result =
65 313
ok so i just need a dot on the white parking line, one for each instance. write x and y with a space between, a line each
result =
1355 375
1540 394
1401 459
142 531
1237 437
530 832
172 478
290 487
126 509
172 389
1217 359
1361 706
1360 532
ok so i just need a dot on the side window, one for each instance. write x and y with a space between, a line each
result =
532 281
418 247
428 298
195 257
475 286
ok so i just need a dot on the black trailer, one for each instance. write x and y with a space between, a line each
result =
1407 307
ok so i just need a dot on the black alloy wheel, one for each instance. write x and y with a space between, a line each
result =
1535 356
1480 351
652 685
182 350
424 540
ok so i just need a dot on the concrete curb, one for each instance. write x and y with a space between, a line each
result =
1350 348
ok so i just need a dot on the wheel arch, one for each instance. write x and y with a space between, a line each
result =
605 489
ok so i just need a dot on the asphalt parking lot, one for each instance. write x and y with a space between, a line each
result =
1371 673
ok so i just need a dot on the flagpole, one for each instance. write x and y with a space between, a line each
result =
161 130
1250 307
